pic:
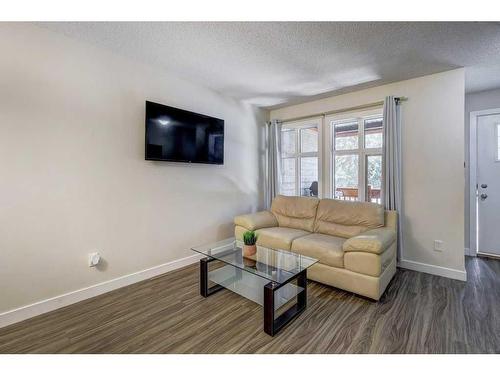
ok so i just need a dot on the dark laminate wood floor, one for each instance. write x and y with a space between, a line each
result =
419 313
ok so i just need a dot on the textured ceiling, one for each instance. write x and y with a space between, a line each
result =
269 64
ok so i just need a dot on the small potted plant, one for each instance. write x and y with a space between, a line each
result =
249 241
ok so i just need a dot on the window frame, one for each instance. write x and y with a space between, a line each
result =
297 126
497 142
361 151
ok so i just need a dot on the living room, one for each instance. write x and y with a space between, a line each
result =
249 187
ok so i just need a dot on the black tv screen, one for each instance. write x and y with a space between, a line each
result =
174 134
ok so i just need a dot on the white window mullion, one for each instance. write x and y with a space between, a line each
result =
297 164
308 154
297 177
362 177
361 161
373 151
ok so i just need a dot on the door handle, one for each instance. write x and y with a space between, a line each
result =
483 196
484 186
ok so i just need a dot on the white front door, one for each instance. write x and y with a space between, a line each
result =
488 183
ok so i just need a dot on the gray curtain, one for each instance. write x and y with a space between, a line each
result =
273 170
392 162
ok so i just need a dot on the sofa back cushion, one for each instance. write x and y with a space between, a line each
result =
295 212
346 218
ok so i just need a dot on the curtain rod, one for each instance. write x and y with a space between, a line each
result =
350 109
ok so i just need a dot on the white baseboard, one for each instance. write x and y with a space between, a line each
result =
41 307
433 270
469 252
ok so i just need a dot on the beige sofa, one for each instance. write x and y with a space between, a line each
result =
355 242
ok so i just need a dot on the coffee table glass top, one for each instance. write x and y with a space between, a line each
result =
272 264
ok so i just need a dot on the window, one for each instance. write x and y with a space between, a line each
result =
374 178
373 133
299 159
349 158
346 136
356 158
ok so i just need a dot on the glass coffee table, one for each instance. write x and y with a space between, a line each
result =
271 278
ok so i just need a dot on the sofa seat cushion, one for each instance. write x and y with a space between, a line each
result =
278 237
327 249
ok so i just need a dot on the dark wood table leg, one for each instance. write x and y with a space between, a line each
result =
269 308
205 291
273 325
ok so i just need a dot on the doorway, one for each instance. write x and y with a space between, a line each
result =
485 182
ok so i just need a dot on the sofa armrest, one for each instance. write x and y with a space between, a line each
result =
374 241
261 219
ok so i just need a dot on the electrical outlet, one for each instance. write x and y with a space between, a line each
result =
94 259
438 245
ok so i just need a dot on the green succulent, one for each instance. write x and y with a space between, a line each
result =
250 237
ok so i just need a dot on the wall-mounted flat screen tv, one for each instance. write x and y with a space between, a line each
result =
173 134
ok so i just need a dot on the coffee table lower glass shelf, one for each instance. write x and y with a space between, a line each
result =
270 277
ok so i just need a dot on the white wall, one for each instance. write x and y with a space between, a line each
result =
73 177
433 163
477 101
